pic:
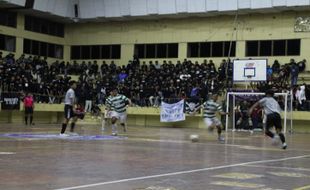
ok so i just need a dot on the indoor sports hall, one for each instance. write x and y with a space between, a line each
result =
154 94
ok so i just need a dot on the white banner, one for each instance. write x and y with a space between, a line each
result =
172 112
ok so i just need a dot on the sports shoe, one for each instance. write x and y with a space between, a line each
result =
63 135
114 134
284 146
221 139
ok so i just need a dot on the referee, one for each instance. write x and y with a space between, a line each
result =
29 106
69 109
272 110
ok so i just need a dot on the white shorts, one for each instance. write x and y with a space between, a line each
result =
121 116
107 114
212 122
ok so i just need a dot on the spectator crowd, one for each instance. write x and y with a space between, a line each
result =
146 84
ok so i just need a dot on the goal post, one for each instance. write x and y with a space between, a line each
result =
233 99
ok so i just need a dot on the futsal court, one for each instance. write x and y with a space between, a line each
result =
169 70
149 158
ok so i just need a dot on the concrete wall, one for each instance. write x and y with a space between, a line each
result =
137 116
197 29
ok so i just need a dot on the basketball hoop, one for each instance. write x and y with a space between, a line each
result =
249 77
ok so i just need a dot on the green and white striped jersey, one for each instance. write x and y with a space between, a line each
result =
117 103
210 108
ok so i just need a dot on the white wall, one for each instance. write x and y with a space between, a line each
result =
91 9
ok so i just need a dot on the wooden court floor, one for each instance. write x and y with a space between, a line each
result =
147 158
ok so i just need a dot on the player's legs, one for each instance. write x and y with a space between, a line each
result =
209 124
26 115
67 116
73 124
114 118
123 119
278 126
31 115
269 125
218 125
214 122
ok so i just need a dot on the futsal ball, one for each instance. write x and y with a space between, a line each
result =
276 140
194 138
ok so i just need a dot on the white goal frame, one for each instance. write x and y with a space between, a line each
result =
285 116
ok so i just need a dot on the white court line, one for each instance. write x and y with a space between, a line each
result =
182 172
275 167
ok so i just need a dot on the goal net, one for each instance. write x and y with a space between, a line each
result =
238 103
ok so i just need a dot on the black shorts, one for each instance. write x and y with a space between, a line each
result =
28 110
69 111
274 119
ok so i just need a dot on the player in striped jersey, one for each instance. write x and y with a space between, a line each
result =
117 105
210 108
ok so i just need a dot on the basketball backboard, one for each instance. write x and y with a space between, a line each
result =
250 70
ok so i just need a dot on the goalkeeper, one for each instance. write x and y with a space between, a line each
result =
272 110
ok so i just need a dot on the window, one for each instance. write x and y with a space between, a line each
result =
265 48
252 48
205 50
96 52
59 51
150 51
116 51
293 47
105 52
139 50
7 43
157 50
27 46
161 51
211 49
43 49
229 49
193 49
44 26
217 49
85 52
273 48
35 48
173 50
51 50
8 18
75 52
278 47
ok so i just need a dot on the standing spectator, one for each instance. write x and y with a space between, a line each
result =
302 65
89 97
28 106
302 97
276 66
294 72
